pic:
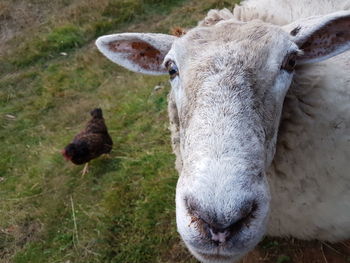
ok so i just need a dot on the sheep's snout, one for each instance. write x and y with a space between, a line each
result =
220 216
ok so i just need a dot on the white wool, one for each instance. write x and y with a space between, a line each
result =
310 175
231 125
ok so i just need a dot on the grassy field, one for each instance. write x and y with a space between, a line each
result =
51 76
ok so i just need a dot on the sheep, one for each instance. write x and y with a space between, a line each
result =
260 121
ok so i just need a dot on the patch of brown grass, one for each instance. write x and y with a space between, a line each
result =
16 236
22 18
298 251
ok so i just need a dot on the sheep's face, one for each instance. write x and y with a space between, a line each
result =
228 83
226 100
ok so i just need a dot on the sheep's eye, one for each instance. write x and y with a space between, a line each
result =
172 69
289 62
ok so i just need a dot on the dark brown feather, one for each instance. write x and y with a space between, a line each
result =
91 142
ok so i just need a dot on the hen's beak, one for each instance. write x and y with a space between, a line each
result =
66 157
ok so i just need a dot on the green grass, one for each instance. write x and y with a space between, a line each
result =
88 21
124 207
62 38
51 76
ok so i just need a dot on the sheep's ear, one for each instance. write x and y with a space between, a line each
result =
137 51
321 37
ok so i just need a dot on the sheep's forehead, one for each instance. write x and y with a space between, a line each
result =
227 59
246 39
237 52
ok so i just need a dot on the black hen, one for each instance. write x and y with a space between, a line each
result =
90 143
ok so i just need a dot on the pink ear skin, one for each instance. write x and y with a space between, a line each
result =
321 37
326 40
140 53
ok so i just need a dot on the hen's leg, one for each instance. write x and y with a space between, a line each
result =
85 169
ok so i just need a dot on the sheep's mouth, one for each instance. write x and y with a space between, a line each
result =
215 257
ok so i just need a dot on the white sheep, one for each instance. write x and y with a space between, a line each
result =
260 119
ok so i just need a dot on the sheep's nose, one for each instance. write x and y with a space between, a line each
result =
220 229
218 236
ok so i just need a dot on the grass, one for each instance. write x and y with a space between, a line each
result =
62 38
51 76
